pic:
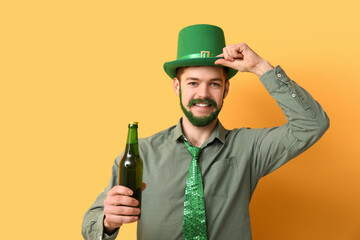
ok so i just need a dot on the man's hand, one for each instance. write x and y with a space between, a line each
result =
119 208
241 57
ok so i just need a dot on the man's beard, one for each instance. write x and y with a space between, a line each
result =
200 121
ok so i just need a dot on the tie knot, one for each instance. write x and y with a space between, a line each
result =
194 151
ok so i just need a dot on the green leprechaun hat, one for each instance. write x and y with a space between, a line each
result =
198 45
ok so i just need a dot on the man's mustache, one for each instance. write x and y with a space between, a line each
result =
206 101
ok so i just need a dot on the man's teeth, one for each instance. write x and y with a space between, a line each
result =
202 105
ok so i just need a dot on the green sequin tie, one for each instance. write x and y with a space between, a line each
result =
194 221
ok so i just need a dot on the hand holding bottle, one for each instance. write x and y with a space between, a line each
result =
120 207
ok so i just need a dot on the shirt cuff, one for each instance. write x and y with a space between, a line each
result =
274 79
277 83
101 233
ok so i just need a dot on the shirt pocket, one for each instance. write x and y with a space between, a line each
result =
223 177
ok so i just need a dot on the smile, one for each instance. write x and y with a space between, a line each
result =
202 105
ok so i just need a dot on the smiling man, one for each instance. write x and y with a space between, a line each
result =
200 176
201 91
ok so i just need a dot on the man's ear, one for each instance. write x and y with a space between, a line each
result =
227 88
176 86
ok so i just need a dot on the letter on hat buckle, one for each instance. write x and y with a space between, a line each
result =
205 54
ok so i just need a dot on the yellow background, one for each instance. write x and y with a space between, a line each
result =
74 73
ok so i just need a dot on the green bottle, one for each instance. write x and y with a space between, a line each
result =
131 165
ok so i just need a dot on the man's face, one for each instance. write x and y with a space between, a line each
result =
201 90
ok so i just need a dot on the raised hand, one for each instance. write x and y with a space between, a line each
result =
241 57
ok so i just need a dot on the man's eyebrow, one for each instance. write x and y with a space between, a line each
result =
216 80
191 78
197 79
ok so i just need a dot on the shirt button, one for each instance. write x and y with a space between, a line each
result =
293 95
279 75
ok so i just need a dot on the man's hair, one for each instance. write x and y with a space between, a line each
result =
181 70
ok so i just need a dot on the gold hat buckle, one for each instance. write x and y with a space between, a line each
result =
205 54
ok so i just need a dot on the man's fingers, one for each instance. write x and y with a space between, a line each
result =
121 200
120 190
224 63
236 53
118 219
219 61
143 186
227 55
122 210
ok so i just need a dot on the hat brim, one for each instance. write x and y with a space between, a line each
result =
170 67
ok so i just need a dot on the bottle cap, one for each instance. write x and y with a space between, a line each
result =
133 125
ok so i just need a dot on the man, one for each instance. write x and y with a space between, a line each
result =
210 199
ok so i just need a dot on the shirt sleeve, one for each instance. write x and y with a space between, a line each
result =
306 123
92 227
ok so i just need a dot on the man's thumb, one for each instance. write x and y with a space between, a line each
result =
223 62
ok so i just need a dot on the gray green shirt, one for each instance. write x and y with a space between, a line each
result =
232 162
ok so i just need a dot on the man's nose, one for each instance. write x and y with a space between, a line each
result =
203 91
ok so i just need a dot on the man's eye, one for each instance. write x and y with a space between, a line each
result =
215 84
192 83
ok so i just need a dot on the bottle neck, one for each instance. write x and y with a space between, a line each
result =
132 146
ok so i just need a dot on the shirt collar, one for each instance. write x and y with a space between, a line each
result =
219 132
178 130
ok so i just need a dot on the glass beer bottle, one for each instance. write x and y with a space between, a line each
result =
131 165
